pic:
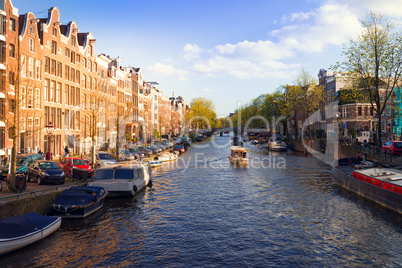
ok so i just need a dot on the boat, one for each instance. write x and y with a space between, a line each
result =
277 145
20 231
238 155
166 157
120 180
381 185
79 201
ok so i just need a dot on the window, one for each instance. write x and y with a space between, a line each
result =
47 65
388 113
77 97
11 52
59 69
72 57
11 106
37 98
73 41
66 93
90 50
85 63
95 67
90 65
54 48
31 45
23 66
359 111
67 73
46 90
54 32
78 58
72 92
31 67
84 81
12 24
31 29
30 98
67 53
77 75
58 118
53 67
66 118
58 93
24 97
38 74
89 82
72 75
371 111
52 91
11 78
53 115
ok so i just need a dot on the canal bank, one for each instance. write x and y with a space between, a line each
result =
35 198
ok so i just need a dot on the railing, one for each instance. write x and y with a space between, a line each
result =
30 193
372 150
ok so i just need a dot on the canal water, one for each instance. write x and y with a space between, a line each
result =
282 210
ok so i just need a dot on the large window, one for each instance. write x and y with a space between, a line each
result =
12 24
54 48
47 65
31 45
11 52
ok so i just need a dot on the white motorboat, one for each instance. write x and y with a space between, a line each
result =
20 231
277 145
127 179
167 157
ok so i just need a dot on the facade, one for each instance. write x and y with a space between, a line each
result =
56 92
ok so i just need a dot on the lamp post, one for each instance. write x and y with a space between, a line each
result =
49 130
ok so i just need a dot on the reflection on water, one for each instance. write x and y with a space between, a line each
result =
202 211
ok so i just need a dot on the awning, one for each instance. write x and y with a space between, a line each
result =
2 152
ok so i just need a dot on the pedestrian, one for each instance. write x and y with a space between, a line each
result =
66 152
40 152
48 155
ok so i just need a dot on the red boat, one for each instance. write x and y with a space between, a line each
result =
382 185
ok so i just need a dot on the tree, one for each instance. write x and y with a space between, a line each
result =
374 63
202 113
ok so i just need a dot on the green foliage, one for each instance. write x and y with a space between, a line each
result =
202 113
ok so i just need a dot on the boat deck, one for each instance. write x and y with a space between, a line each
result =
389 175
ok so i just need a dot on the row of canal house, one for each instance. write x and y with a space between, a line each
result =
56 91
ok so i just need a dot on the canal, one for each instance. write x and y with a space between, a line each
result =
282 210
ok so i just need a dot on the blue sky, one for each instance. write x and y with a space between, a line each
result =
228 51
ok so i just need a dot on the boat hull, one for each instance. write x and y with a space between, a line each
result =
11 244
389 199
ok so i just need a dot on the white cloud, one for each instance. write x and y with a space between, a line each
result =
191 52
207 90
166 70
331 24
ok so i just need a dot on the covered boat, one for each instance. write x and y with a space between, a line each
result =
20 231
79 201
277 145
166 157
238 155
127 179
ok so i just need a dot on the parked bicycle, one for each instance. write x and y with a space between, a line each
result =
20 183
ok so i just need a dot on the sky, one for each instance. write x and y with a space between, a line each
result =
227 51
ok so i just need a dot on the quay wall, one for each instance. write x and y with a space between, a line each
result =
39 203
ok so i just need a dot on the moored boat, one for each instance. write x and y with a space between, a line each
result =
381 185
127 179
238 155
168 157
277 146
79 201
20 231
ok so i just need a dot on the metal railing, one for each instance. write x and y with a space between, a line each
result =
35 192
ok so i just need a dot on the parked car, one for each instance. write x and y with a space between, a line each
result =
44 171
136 152
180 148
104 159
124 154
154 149
166 142
392 147
158 145
65 165
147 152
23 160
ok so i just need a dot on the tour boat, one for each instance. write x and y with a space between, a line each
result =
20 231
238 155
126 179
381 185
79 201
